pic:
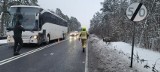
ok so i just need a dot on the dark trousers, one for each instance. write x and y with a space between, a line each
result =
18 44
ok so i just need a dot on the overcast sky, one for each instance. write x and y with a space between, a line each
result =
83 10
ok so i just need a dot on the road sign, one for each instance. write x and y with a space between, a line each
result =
136 12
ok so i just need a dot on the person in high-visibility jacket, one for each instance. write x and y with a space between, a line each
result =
84 36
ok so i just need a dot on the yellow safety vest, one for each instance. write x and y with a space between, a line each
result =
83 35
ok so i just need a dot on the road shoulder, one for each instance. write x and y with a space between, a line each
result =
103 59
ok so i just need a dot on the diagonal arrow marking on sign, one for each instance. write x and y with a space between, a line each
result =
135 13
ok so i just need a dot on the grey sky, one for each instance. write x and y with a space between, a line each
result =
83 10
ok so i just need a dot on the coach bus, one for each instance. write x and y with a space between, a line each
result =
40 25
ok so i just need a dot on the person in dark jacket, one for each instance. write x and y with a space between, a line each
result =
18 37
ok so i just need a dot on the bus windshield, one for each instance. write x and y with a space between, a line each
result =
25 15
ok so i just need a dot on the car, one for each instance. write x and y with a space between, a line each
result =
107 39
75 33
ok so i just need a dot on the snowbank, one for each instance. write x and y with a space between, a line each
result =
3 41
105 59
147 58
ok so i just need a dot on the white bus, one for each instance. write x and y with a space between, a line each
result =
40 25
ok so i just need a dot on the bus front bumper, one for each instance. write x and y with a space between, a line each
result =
31 40
34 41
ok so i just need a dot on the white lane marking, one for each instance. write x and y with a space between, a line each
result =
51 53
86 63
27 53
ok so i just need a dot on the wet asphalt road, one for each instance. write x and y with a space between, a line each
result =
66 56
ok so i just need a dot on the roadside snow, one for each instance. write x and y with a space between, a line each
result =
3 41
105 59
142 56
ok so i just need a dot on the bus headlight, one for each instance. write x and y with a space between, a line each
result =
35 37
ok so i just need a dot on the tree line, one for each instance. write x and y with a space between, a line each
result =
73 23
111 21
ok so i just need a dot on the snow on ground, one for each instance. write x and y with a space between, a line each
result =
142 56
104 59
3 41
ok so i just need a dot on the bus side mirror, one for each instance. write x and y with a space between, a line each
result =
37 16
44 32
36 22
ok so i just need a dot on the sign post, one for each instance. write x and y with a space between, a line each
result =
135 12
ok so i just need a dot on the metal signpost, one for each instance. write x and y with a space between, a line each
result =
135 12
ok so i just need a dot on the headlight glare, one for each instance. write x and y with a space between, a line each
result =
35 37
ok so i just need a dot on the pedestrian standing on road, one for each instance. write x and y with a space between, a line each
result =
84 36
18 42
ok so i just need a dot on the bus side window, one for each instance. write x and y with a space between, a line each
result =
54 19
